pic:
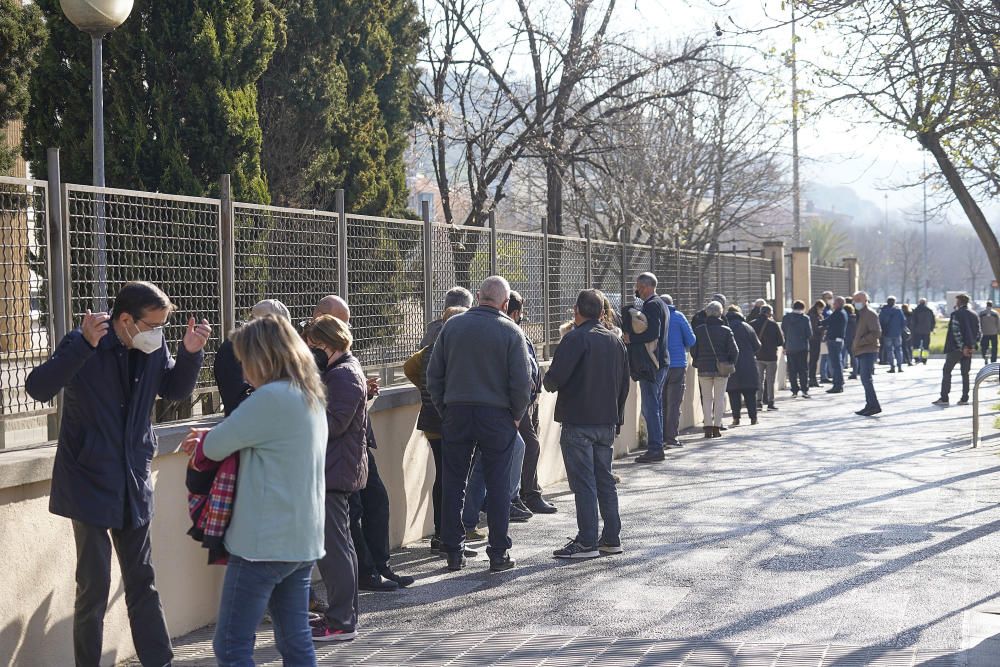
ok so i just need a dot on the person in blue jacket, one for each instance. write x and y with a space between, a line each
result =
680 338
111 370
893 322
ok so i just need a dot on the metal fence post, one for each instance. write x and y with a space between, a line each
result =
546 313
622 236
588 255
58 267
494 245
652 256
341 245
227 254
425 214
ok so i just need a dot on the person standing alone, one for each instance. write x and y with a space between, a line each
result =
959 345
989 322
866 344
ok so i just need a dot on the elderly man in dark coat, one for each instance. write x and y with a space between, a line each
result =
745 382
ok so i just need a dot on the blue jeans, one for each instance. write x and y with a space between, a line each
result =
824 365
587 452
866 367
249 588
652 409
894 349
475 491
835 358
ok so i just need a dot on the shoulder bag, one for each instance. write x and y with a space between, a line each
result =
724 368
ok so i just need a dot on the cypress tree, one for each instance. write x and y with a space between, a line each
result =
21 35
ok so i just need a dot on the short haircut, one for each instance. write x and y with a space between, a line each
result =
458 296
759 302
270 307
989 304
136 297
827 293
721 298
590 304
515 302
713 309
766 310
839 299
494 291
735 309
964 298
330 331
819 304
891 301
452 312
799 305
648 279
667 299
922 302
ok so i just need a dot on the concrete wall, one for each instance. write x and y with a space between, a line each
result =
36 582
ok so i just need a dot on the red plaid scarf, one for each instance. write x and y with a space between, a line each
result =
212 512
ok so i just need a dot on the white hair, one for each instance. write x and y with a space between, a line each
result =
270 307
494 291
713 309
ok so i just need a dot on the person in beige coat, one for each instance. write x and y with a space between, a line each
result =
865 350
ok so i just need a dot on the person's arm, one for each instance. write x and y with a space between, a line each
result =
780 335
518 375
48 379
687 333
344 396
180 375
436 371
732 349
625 383
564 361
654 320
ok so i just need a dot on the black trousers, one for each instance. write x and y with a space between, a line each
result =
814 347
339 567
798 371
435 444
956 358
738 397
988 343
370 523
492 430
532 450
93 584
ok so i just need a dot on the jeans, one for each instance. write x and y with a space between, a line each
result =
866 368
768 371
528 429
836 359
475 491
370 523
814 347
736 399
587 452
339 567
493 431
824 365
248 589
988 343
652 409
894 350
673 397
798 371
956 358
93 583
713 398
435 444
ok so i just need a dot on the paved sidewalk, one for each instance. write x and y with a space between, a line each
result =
815 538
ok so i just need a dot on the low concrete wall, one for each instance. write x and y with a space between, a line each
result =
37 548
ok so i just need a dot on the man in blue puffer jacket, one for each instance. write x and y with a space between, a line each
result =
893 322
680 338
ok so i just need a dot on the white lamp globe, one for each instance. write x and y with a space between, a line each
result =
97 17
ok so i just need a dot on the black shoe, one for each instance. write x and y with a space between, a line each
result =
401 580
875 410
456 561
539 505
863 412
835 390
517 502
376 583
753 421
940 401
963 401
502 564
806 395
852 376
518 515
650 457
770 406
721 428
892 370
435 544
813 383
574 549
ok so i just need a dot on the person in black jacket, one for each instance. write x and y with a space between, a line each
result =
651 391
923 322
835 328
744 383
959 345
797 330
769 334
590 372
815 341
714 343
233 387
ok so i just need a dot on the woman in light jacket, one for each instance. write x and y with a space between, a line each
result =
713 343
275 534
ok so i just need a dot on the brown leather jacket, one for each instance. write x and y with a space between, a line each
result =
869 332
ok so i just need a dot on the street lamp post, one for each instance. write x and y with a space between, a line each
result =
97 18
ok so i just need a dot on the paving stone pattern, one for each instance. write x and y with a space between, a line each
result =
815 538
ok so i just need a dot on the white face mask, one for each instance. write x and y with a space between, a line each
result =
147 342
858 305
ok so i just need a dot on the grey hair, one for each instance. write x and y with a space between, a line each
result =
458 296
863 295
713 309
667 299
495 290
922 302
759 302
840 300
647 279
721 298
271 307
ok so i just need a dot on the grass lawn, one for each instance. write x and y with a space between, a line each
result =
938 335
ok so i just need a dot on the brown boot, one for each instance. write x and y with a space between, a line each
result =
716 432
709 432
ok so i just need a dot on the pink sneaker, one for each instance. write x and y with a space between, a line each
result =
324 633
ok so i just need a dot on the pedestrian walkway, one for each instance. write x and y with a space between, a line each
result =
815 538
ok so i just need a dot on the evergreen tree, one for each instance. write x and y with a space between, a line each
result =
21 36
180 96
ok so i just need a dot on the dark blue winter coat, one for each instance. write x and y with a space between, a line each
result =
106 440
892 320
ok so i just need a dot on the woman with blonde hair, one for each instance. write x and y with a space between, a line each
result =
346 472
276 530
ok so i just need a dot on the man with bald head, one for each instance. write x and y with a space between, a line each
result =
333 305
479 379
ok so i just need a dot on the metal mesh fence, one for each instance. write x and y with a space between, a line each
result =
461 258
832 278
168 240
606 271
521 259
24 303
567 276
385 289
284 254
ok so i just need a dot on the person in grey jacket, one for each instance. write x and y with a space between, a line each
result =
479 378
797 330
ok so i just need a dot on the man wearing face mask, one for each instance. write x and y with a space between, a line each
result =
111 370
867 337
